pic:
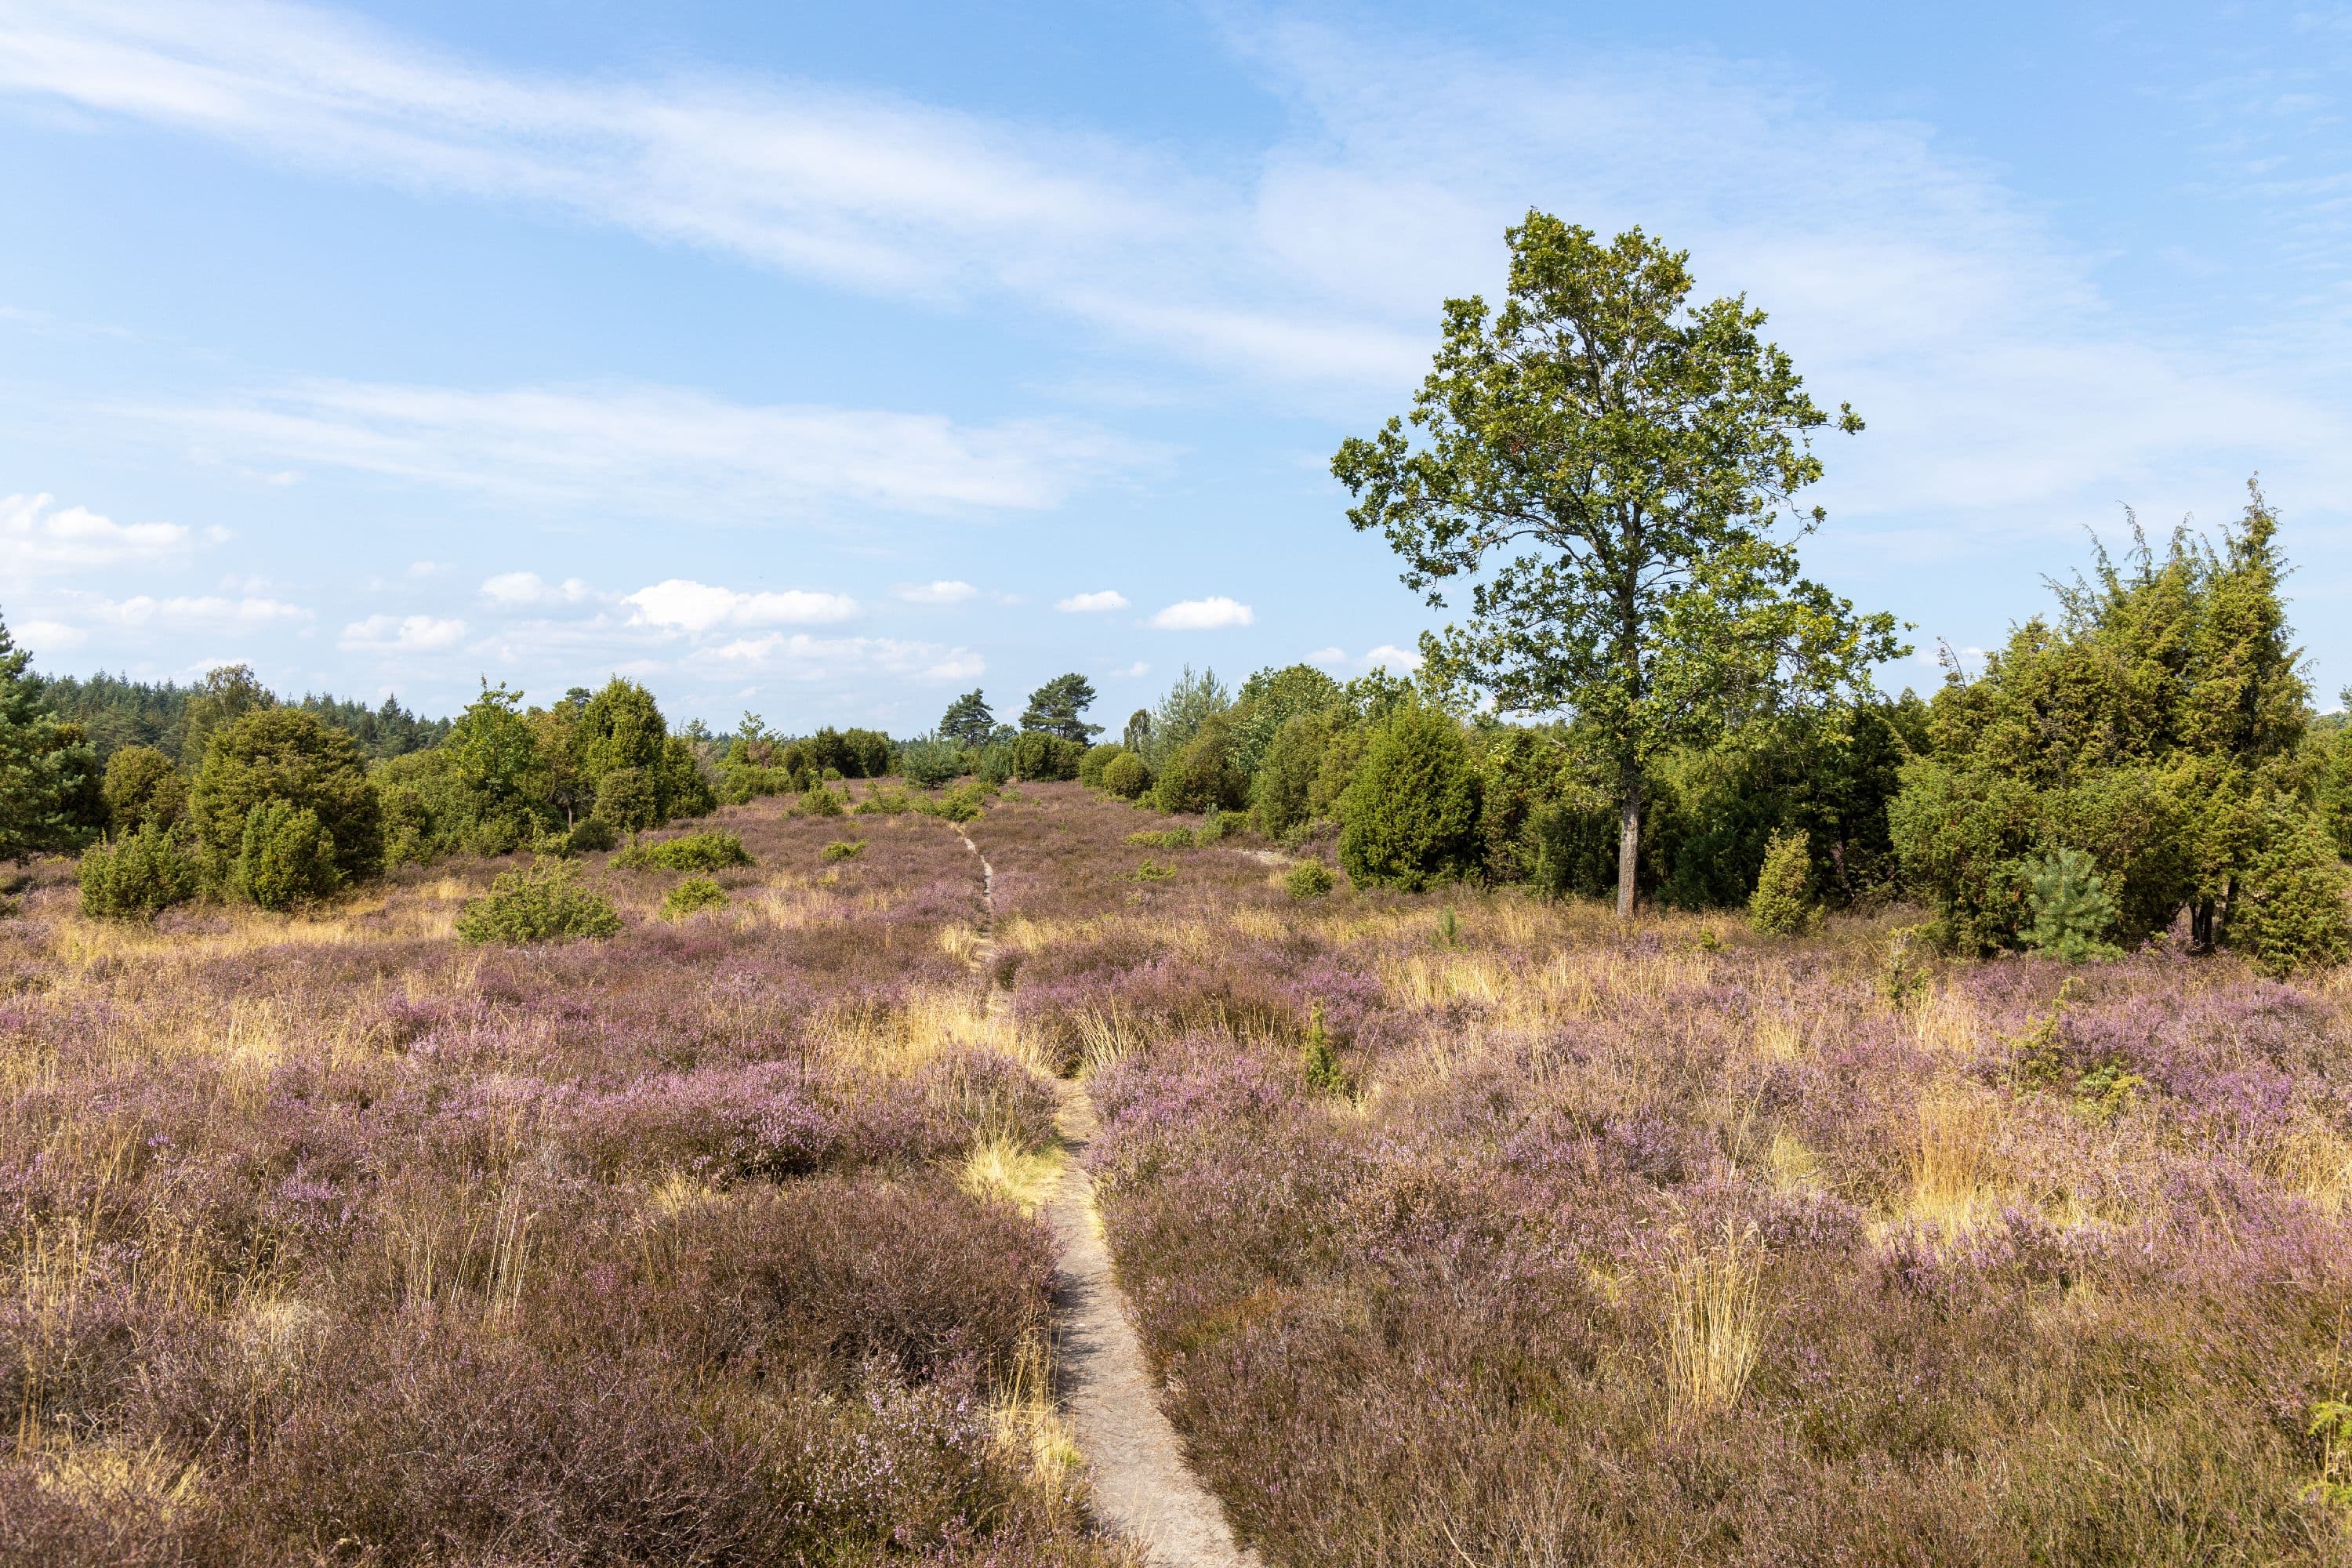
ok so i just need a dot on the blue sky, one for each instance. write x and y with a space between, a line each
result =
829 361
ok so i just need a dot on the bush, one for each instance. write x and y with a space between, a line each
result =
884 803
843 849
1284 784
137 875
541 904
692 896
142 787
961 804
1783 904
1411 816
2288 916
1309 880
1038 755
688 852
680 787
289 755
1126 776
927 765
1097 758
590 834
1963 838
1201 776
820 801
1162 838
2072 910
286 858
993 765
625 798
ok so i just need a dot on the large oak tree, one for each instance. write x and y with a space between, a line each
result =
1615 471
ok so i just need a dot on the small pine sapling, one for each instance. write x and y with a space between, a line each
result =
1782 904
2070 909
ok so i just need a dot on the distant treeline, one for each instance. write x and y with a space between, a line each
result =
114 712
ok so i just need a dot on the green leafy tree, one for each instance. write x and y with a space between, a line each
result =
968 721
1271 698
141 787
1411 815
1056 709
494 759
1283 790
1613 466
226 695
1138 733
290 756
620 727
1201 775
1041 754
48 780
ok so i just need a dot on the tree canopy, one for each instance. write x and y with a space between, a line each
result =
1615 470
1055 709
969 721
49 790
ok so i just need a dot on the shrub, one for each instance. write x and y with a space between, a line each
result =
286 858
1153 871
993 764
1285 783
1201 776
137 875
141 787
2288 915
1126 776
688 852
290 756
843 849
541 904
1097 758
927 765
1411 816
680 789
590 834
1783 904
1309 880
625 798
820 801
1318 1062
1162 838
1038 755
692 896
961 804
1962 837
2070 907
890 802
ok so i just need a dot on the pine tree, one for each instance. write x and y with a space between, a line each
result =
1055 709
48 793
968 721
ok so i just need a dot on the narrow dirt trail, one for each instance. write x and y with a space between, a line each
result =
1142 1486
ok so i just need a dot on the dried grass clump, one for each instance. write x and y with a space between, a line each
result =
1713 1327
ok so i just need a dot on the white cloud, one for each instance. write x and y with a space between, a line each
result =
1082 604
797 656
39 636
37 537
1135 671
685 606
1203 615
1387 655
520 590
943 591
183 612
402 633
664 450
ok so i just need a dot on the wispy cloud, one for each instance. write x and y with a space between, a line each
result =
690 607
402 633
1204 614
1387 655
662 449
529 590
801 656
944 592
185 612
1089 603
38 536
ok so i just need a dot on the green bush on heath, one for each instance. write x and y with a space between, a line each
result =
1097 758
2072 909
961 804
1039 755
542 904
625 798
927 764
884 802
142 787
692 896
708 851
286 756
1309 880
286 857
138 875
1783 903
842 850
2288 916
1411 815
820 801
1162 838
1126 776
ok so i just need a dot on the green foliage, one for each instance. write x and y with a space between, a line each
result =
961 804
820 801
2106 1091
1283 791
625 798
681 785
137 875
1609 467
545 903
1270 699
288 755
1192 702
49 792
225 695
890 802
1037 754
1097 758
2331 1421
927 764
286 858
842 850
692 896
1319 1063
142 787
2070 907
1162 838
847 753
708 851
589 835
1153 871
1309 880
1411 815
1056 709
1448 934
2288 915
1126 776
1202 776
968 721
1783 902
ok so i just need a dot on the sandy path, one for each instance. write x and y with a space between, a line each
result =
1142 1487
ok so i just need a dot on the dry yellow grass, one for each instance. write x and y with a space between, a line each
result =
1952 1162
1713 1327
998 1167
2315 1160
